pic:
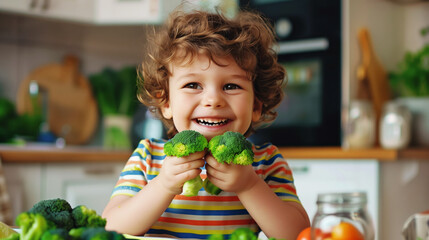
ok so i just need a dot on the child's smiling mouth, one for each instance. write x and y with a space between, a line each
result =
211 122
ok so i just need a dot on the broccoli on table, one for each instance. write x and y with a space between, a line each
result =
230 147
56 234
55 210
183 144
100 233
86 217
32 225
243 234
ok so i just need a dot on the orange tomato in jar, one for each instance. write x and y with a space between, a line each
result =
346 231
306 234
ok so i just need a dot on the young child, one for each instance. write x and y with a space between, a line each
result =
210 74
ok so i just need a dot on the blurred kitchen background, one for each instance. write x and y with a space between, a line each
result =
65 64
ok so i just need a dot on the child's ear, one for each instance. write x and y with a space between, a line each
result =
257 110
166 111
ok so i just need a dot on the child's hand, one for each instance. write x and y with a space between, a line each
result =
230 177
177 170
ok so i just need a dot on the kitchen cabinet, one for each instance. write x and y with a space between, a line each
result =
87 184
336 175
95 11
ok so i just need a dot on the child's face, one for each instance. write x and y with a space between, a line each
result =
211 99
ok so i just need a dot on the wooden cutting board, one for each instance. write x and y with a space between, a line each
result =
71 107
372 78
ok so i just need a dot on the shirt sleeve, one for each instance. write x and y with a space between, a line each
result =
133 176
274 169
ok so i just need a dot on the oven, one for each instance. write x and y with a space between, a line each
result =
309 47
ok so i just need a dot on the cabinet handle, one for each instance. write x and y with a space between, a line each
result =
46 4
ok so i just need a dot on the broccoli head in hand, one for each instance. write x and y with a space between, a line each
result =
182 144
231 147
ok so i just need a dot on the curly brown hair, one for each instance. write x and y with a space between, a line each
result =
248 38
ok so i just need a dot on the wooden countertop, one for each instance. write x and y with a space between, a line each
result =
46 154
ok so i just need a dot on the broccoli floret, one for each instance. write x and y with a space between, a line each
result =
231 147
243 234
56 210
182 144
32 225
86 217
99 233
56 234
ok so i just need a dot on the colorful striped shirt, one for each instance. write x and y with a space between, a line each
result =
200 216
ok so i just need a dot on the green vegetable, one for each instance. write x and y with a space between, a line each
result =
86 217
56 234
243 234
411 77
230 147
99 233
211 188
14 125
56 210
32 225
183 144
238 234
116 92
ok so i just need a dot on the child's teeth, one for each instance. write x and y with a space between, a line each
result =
210 123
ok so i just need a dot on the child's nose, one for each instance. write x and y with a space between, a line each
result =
213 98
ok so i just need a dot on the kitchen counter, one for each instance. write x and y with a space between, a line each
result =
46 154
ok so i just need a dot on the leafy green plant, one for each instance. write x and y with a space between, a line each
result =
115 92
412 76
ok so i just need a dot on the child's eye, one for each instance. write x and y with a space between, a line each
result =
231 86
192 85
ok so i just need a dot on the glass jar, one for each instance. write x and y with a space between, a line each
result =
336 208
359 125
395 126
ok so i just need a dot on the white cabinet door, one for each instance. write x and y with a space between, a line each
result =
24 183
23 6
95 11
329 176
81 184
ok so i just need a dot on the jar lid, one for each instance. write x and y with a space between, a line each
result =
342 198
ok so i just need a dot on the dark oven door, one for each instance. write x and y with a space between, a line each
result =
310 50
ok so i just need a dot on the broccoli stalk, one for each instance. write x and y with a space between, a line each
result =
230 147
32 225
183 144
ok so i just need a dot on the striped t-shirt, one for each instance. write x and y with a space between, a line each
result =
200 216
